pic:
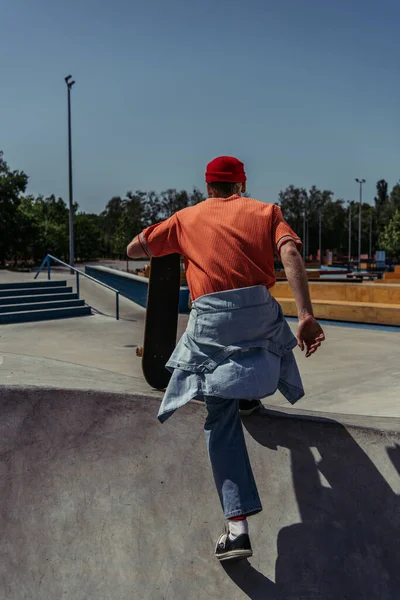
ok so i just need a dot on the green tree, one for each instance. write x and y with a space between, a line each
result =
89 237
390 237
156 207
386 204
382 204
53 217
171 201
151 209
334 227
293 203
195 197
12 186
27 240
130 223
110 219
300 207
395 198
321 202
48 230
122 236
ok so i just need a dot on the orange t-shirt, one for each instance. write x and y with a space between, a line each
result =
227 243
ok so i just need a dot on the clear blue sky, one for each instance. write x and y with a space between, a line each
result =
304 91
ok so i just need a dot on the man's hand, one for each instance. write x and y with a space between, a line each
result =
309 334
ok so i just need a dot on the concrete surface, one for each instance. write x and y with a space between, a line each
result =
356 371
99 502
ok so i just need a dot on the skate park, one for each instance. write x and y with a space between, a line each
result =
112 115
95 504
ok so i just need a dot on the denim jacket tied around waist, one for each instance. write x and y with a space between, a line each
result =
237 345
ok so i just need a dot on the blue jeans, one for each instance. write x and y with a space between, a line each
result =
230 463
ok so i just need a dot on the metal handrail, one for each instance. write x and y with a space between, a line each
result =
47 262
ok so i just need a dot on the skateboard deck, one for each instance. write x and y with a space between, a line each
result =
161 322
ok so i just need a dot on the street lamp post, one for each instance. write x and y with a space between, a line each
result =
370 234
304 236
320 238
71 202
350 219
360 181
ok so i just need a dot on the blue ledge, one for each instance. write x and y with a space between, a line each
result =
133 287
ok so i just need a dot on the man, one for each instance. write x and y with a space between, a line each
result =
237 343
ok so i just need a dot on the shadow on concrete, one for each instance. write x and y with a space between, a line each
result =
251 582
346 546
111 314
394 455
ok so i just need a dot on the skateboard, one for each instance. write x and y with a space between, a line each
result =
161 321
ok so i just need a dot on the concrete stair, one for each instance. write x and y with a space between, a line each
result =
39 301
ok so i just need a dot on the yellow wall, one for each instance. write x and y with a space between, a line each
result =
390 276
345 292
352 312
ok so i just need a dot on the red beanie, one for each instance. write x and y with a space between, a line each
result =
225 169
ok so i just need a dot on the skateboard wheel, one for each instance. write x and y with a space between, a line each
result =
139 351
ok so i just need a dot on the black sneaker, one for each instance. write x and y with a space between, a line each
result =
237 549
246 407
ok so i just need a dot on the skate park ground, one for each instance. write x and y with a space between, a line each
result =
100 501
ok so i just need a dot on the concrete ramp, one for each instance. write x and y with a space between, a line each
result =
101 502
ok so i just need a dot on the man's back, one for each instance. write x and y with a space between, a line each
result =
227 243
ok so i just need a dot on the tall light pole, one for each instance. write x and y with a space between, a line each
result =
360 181
320 238
71 201
370 233
304 236
350 219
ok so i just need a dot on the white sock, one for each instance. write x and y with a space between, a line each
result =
238 528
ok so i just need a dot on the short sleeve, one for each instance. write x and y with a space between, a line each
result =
161 239
282 232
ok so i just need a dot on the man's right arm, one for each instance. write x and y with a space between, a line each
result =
310 334
159 239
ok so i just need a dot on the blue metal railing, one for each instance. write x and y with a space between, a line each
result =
47 262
